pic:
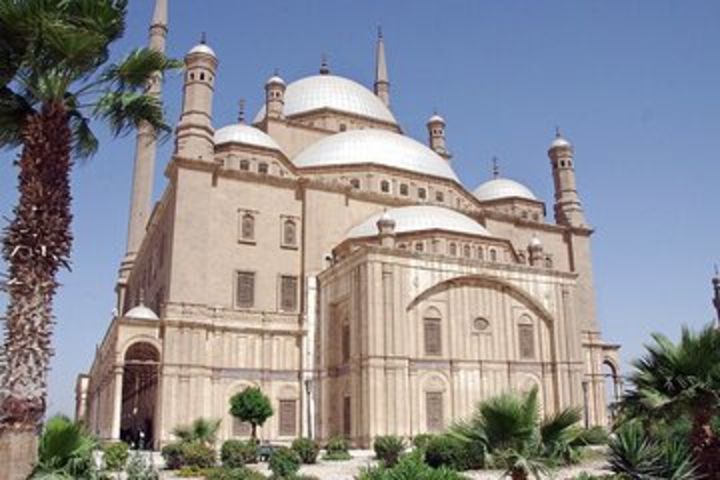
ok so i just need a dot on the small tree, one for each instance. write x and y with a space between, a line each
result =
252 406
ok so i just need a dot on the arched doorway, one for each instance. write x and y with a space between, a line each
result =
139 395
613 388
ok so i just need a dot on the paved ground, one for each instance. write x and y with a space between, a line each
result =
347 470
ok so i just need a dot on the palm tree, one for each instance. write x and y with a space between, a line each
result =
54 79
65 451
510 429
684 378
201 430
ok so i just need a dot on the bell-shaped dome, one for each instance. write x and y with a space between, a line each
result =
141 312
418 218
503 188
380 147
330 91
202 48
246 134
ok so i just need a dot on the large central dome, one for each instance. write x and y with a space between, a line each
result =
379 147
330 91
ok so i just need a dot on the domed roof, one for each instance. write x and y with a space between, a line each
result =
503 188
436 118
560 141
275 79
330 91
202 48
380 147
141 312
417 218
242 133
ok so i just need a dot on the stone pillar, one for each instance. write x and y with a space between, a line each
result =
117 402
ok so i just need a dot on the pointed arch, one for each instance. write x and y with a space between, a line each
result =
485 281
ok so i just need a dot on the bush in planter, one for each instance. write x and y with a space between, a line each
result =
337 449
115 455
284 462
172 453
140 468
236 453
446 451
421 440
306 449
388 449
198 455
242 473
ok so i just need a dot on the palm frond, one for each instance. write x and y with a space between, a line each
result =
85 143
138 68
127 111
14 110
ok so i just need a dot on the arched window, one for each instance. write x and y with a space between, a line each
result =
422 193
466 251
493 255
526 338
247 227
343 127
403 189
289 233
355 183
452 249
480 253
385 186
419 247
263 168
245 165
439 196
432 323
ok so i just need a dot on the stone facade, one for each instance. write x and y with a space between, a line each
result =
248 275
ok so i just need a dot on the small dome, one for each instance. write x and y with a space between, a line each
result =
560 141
418 218
503 188
141 312
202 48
380 147
330 91
275 79
535 243
242 133
436 118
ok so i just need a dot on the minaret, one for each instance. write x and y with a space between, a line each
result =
436 136
275 96
716 297
382 81
568 209
194 133
145 150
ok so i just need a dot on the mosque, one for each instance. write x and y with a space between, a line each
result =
321 254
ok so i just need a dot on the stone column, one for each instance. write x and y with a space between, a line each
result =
117 402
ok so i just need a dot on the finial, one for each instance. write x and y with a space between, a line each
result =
324 67
276 72
557 131
717 273
380 35
241 110
495 167
203 38
141 297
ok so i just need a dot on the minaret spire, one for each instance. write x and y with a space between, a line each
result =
382 81
145 152
495 167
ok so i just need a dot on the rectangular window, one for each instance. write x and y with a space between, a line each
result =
527 341
433 345
240 428
434 411
347 417
346 343
288 293
245 294
288 418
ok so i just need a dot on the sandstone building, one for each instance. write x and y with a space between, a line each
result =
323 255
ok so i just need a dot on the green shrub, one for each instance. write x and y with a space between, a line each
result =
446 451
388 449
172 453
409 466
191 472
337 444
198 455
284 462
338 456
115 455
242 473
593 436
140 468
307 449
421 440
236 453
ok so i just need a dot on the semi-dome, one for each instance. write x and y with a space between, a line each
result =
380 147
418 218
503 188
141 312
242 133
330 91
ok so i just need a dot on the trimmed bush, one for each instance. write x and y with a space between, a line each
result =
198 455
337 444
446 451
236 453
115 455
421 440
410 466
388 449
242 473
172 453
306 449
284 462
140 467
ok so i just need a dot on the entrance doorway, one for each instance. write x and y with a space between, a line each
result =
139 395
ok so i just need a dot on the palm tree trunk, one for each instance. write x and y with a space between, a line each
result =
705 444
36 245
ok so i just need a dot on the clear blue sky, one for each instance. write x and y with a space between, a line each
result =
634 84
